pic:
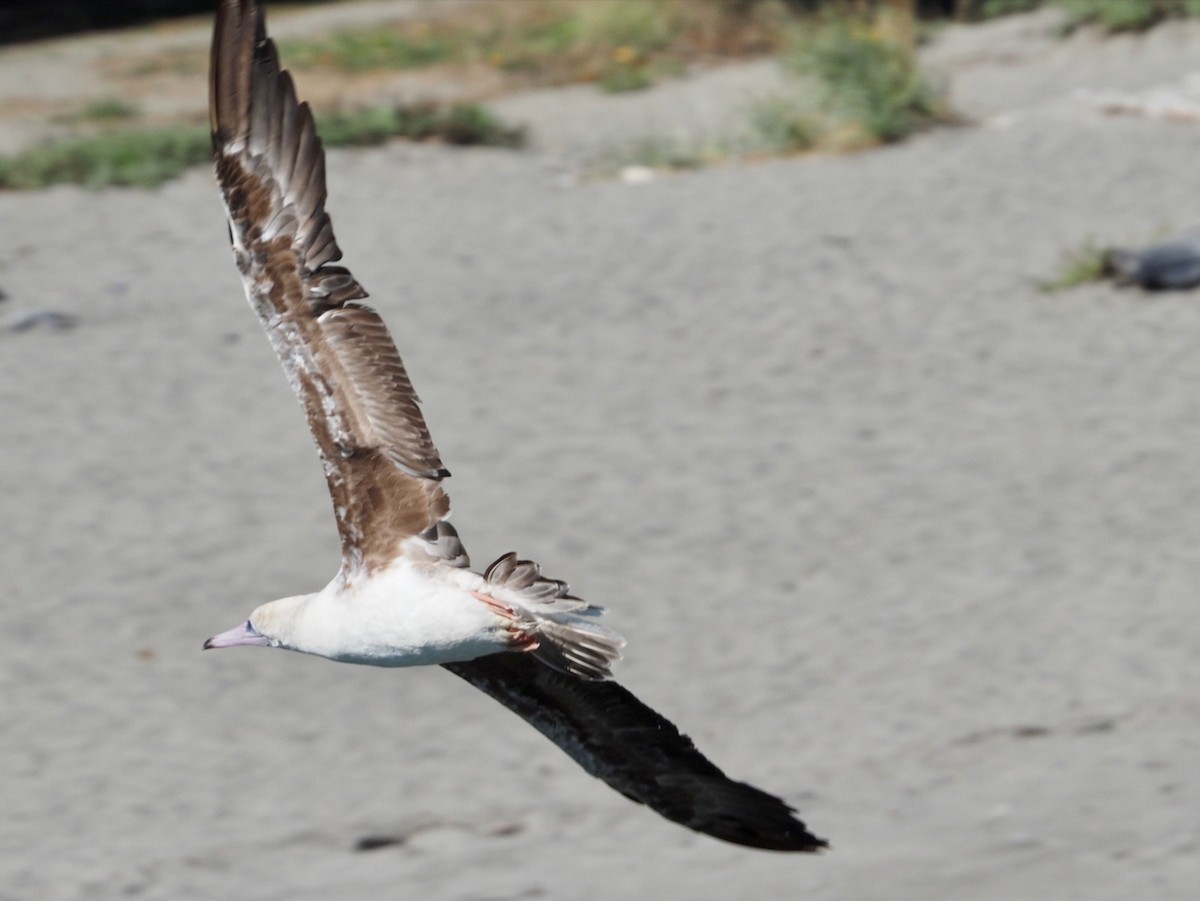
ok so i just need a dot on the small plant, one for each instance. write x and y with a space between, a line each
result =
366 50
785 125
461 124
1088 263
634 25
990 9
110 109
866 80
142 158
360 128
469 124
619 78
1122 15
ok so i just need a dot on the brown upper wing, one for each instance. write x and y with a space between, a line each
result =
383 470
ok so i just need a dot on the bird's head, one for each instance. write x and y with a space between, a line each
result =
268 626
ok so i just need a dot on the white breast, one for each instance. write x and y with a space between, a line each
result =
401 616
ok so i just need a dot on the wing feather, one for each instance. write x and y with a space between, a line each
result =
383 470
372 368
638 752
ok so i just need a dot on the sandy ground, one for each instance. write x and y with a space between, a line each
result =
891 532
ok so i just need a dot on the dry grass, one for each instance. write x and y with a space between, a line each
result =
1087 263
618 44
857 84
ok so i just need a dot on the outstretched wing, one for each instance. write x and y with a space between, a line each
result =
383 470
617 738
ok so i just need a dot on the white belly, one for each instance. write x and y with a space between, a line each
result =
403 617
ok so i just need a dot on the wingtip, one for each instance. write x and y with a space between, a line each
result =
801 841
617 738
240 28
742 814
805 843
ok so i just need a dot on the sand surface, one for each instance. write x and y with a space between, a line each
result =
891 532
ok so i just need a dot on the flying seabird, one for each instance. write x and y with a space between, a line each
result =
405 594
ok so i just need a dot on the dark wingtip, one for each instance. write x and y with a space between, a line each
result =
744 815
791 837
638 752
804 842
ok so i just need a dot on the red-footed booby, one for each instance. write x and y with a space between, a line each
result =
405 594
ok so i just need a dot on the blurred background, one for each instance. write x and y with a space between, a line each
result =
23 21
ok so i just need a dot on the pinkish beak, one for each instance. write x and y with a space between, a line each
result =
244 635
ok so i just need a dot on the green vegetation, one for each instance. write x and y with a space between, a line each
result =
644 27
785 125
469 123
992 8
360 128
143 158
110 109
364 51
618 78
856 84
461 124
1126 15
1088 263
620 44
148 157
868 82
1110 15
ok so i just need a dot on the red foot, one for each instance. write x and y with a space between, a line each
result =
520 640
523 641
495 605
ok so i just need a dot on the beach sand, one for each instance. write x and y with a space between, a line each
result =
891 532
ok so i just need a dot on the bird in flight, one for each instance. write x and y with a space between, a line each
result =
405 594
